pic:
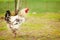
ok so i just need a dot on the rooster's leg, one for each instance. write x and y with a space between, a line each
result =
14 32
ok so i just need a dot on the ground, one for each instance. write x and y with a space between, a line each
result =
39 26
42 23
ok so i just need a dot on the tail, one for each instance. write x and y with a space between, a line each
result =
7 15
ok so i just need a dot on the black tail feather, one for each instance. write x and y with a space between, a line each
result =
7 15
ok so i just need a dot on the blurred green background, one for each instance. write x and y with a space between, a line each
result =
43 25
34 5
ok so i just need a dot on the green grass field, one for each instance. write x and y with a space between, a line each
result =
35 5
44 25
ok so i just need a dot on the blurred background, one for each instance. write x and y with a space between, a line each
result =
42 21
34 5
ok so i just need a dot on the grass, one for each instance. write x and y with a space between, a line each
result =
43 26
36 6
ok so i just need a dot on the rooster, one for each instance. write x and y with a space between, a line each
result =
14 22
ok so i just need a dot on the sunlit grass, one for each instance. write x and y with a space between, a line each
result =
44 24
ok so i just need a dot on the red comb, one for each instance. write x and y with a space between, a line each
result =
26 11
